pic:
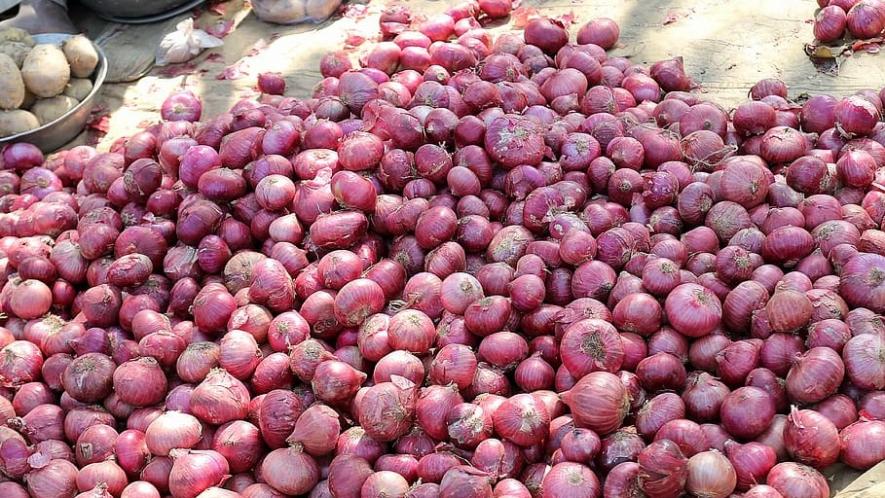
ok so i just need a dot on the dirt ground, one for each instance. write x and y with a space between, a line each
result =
727 45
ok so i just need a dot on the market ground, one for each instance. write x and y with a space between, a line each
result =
727 45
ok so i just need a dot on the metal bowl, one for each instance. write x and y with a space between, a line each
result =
53 135
133 9
121 11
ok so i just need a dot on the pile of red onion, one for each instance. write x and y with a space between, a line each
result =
471 267
861 19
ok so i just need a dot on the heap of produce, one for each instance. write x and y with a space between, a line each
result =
860 19
471 266
39 83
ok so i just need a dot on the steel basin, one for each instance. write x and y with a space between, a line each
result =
132 8
55 134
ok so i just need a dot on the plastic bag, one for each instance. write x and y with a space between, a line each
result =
294 11
184 44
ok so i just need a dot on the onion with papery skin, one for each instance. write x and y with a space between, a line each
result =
465 481
747 411
663 469
195 471
89 377
751 461
811 438
386 410
710 475
106 473
140 382
56 478
172 430
861 444
289 471
240 443
316 430
793 480
705 314
522 420
598 401
864 358
815 375
570 479
219 398
590 345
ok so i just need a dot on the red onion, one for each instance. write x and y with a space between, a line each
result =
751 462
747 411
706 310
181 106
793 480
688 435
522 420
661 371
105 473
591 345
219 398
195 471
815 375
863 361
240 443
95 444
854 115
598 402
336 381
710 474
131 451
463 480
570 479
811 438
397 396
172 430
861 445
89 377
829 23
140 382
662 469
56 478
704 396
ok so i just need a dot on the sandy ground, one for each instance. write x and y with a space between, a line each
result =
727 46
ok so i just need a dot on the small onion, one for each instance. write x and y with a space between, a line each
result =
710 474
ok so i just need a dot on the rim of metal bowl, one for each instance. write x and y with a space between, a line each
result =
101 71
162 16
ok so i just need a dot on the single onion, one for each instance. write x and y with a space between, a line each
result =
710 474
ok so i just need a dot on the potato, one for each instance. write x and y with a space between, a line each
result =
48 110
17 51
17 35
46 71
78 88
12 88
81 55
17 121
30 98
